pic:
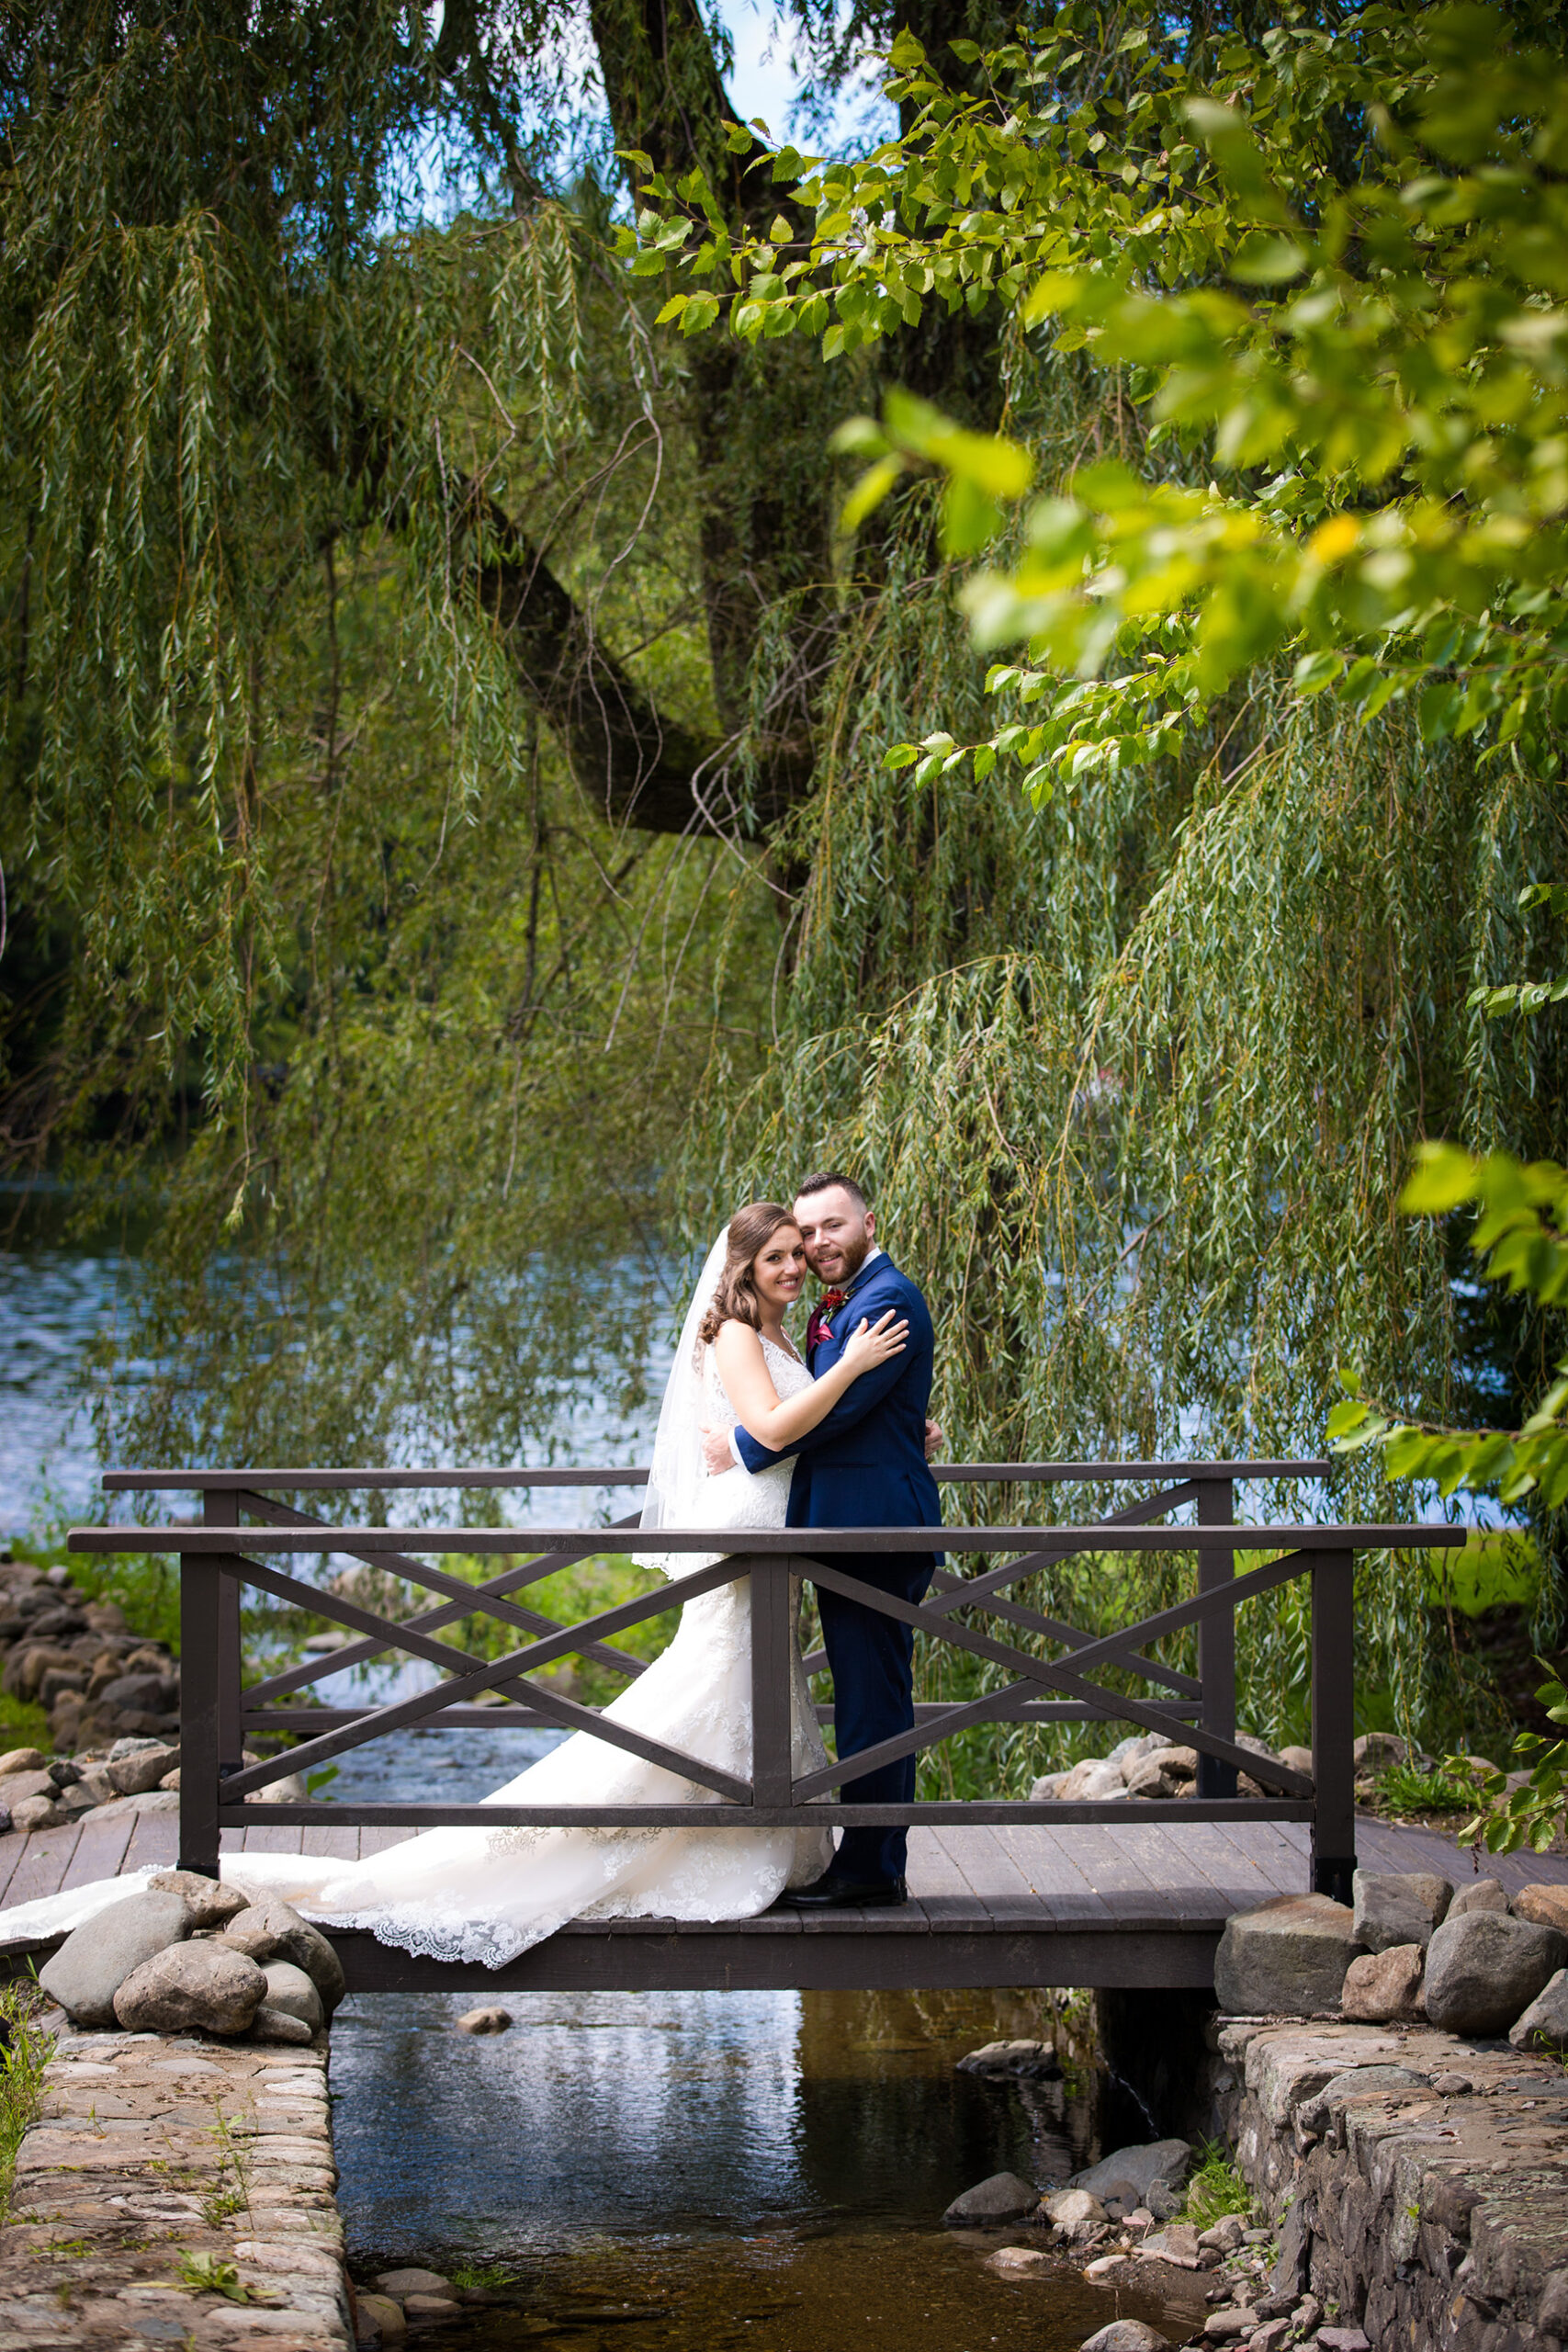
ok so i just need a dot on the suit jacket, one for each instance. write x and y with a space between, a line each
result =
865 1464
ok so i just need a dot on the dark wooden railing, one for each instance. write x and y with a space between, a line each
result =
217 1712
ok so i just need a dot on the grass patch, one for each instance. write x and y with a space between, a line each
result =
493 2274
1496 1568
1215 2188
1403 1790
27 2052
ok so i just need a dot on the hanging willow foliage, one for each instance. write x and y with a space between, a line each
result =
1134 1081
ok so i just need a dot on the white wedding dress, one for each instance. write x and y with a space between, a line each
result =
483 1895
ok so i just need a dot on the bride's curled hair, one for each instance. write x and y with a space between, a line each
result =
735 1294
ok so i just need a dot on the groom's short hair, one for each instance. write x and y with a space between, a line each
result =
824 1180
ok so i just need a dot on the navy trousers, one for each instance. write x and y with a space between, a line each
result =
872 1657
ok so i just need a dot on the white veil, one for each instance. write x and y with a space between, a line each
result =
678 1474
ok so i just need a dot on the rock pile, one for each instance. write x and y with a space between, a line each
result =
190 1953
1409 1949
131 1775
397 2300
79 1659
1151 1766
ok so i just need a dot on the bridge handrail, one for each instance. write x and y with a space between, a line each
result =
219 1554
301 1481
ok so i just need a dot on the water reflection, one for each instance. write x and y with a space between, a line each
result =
771 2167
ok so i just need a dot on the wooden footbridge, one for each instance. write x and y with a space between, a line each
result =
1003 1890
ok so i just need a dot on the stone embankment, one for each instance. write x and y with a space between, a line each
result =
175 2192
1418 2182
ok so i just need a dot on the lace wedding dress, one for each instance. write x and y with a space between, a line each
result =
483 1895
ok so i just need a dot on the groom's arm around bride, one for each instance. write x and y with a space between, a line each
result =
863 1466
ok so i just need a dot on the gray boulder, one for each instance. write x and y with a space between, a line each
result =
1075 2212
1126 2335
1004 2198
132 1776
275 1931
39 1813
200 1984
19 1786
1544 2024
95 1959
1483 1969
1009 2061
144 1694
1132 2173
1312 2114
1481 1894
290 1989
279 2025
1093 1782
212 1904
1399 1907
1382 1986
1286 1958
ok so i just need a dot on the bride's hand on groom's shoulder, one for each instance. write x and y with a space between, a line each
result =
874 1343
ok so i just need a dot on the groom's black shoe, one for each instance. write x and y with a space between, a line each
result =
830 1893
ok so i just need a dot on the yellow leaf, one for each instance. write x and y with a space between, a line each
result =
1333 541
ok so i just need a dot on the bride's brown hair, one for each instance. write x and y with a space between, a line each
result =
735 1294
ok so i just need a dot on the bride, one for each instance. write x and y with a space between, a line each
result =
483 1895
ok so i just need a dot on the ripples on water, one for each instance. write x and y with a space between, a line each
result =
765 2168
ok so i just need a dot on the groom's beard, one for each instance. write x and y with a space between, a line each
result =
854 1256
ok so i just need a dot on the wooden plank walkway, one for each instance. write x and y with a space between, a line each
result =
1108 1904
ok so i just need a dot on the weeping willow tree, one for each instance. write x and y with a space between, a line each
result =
386 774
1135 1073
441 721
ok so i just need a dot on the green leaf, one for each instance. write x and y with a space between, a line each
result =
869 493
1268 260
1442 1179
1316 671
902 755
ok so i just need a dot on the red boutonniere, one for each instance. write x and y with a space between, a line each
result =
826 1306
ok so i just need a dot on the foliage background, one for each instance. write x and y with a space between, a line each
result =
330 940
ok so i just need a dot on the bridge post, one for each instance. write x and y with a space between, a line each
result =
1334 1724
1216 1638
772 1773
201 1606
223 1511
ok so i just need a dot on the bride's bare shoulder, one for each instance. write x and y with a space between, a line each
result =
736 1343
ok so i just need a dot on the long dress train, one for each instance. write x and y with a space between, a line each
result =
483 1895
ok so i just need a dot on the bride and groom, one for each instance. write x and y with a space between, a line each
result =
751 1435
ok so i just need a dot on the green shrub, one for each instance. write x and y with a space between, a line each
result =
1215 2186
27 2052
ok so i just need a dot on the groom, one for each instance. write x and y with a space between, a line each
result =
863 1466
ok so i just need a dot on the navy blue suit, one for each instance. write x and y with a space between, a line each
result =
864 1466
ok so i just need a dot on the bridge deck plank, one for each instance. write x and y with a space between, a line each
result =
1134 1896
41 1867
993 1877
940 1887
154 1843
1062 1885
100 1849
274 1841
1238 1877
